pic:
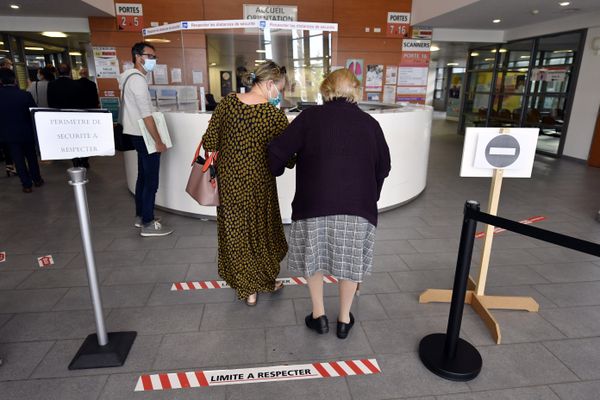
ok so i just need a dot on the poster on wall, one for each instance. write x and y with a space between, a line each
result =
130 16
226 83
105 60
391 75
412 76
454 96
411 94
176 75
357 67
197 77
398 24
111 104
161 75
374 78
389 94
373 96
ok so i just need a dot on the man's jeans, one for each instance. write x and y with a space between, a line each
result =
147 180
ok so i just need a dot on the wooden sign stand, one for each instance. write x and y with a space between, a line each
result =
481 303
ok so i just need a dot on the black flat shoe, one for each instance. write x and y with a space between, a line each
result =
320 325
343 329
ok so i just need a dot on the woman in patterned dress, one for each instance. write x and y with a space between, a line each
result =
251 237
342 161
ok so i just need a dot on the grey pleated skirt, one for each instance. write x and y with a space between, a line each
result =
338 245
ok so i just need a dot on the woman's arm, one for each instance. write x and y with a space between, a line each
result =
283 148
213 134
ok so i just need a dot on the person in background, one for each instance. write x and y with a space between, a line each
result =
39 88
137 105
251 237
342 161
65 93
17 129
90 90
6 63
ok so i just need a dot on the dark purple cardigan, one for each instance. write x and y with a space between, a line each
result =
342 160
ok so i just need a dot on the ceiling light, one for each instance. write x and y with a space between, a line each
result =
474 54
40 58
34 48
213 64
54 34
562 51
523 70
502 50
14 6
74 53
259 61
525 56
562 3
488 59
434 48
261 51
4 51
158 40
1 43
452 64
497 21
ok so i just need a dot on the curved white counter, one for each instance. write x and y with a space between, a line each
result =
407 131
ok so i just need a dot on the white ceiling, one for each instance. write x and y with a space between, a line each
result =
513 13
49 8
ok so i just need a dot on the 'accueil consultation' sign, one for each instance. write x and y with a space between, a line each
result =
67 135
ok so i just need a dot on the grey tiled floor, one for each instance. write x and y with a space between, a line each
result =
45 314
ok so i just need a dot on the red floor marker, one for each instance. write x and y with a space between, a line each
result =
200 285
527 221
45 261
184 380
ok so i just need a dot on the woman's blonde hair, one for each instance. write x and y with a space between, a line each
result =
267 71
341 83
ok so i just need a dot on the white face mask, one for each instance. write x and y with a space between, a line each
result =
149 65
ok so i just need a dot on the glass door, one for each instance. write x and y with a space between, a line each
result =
551 89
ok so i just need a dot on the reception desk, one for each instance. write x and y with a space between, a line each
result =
407 131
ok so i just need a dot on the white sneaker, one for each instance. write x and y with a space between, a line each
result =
138 221
155 228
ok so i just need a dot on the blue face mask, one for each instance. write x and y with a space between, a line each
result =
275 100
149 65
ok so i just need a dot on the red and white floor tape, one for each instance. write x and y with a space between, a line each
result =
194 379
199 285
527 221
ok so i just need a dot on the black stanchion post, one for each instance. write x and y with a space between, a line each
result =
447 355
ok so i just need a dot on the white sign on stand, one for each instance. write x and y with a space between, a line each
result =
487 149
63 135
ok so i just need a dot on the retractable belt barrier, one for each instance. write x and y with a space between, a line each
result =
447 355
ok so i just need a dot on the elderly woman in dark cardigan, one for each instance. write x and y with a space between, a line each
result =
342 159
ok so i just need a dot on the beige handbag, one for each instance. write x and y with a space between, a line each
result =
202 183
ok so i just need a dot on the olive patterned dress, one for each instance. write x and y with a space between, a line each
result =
251 237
